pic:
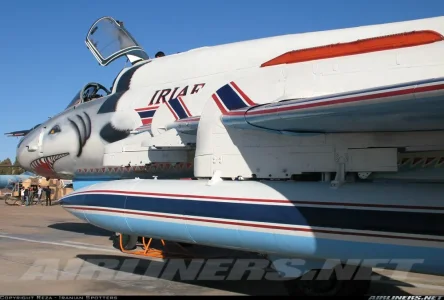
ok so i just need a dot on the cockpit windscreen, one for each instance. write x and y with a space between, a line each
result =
74 100
108 38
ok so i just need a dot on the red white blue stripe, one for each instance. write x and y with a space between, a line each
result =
178 108
375 220
184 122
419 100
405 223
147 113
231 99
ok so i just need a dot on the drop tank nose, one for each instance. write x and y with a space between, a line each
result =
74 203
3 182
98 209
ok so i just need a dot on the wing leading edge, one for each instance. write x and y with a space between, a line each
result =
17 133
21 132
412 106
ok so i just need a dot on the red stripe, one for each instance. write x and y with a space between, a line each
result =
148 108
351 99
147 121
194 119
260 225
219 104
225 112
368 45
264 200
240 112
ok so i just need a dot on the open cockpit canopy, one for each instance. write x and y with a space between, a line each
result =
108 40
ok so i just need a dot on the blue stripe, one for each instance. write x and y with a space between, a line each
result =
178 109
374 220
146 114
230 98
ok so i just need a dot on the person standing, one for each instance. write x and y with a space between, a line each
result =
39 194
26 194
20 190
31 194
48 196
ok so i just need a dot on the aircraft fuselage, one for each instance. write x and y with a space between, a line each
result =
86 130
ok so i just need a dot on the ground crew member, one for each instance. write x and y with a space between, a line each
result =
48 195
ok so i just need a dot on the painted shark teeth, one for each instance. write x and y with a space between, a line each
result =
47 162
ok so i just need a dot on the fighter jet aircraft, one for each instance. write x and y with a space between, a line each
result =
317 146
8 181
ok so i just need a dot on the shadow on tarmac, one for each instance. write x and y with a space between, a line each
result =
142 268
84 228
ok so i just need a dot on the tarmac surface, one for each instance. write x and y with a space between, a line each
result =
47 251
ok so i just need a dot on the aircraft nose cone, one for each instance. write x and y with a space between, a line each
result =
20 155
24 157
27 151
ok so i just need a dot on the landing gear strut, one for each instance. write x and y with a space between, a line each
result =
129 244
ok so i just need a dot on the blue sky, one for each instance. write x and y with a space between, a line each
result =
44 60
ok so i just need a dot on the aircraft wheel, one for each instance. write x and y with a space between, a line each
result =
115 238
127 243
331 287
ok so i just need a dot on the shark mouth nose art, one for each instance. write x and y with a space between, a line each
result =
45 165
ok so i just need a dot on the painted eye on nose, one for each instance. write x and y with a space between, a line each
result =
55 130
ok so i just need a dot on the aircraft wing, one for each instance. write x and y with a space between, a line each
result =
411 106
18 133
21 132
186 125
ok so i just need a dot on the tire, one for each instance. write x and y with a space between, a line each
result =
126 239
116 241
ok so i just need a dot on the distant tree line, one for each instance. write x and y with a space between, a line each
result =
9 168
